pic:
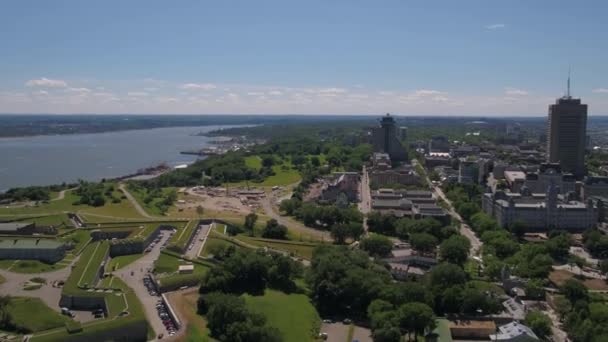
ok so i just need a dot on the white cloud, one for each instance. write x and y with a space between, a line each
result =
45 82
515 92
275 93
202 86
600 90
137 94
80 90
427 92
495 26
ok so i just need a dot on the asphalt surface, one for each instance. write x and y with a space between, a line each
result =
50 295
365 204
198 241
140 268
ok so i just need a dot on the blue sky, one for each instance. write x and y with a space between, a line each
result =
281 57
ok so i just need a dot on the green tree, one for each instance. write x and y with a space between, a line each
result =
377 245
455 249
423 242
340 232
250 221
539 323
416 318
574 290
447 275
274 230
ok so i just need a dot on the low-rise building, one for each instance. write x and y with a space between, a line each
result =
469 329
46 250
540 213
346 183
594 186
514 332
17 228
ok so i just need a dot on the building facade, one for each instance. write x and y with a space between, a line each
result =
386 139
567 134
540 213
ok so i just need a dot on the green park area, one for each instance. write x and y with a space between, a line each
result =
125 313
294 248
293 314
32 315
167 265
284 173
53 212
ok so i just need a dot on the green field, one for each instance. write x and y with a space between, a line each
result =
109 211
285 174
116 303
213 244
119 262
299 249
92 267
33 315
183 234
150 207
293 314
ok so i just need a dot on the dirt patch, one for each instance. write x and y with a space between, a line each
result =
558 277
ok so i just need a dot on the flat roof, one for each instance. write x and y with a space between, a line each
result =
467 324
29 243
13 226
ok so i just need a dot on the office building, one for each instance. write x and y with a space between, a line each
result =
386 139
567 134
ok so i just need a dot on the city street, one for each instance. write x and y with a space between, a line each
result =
365 206
464 228
133 276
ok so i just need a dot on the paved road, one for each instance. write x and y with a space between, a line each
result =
140 270
464 228
365 206
336 332
47 293
296 226
199 240
134 202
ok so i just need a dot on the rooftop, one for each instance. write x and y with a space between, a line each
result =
13 226
28 243
511 330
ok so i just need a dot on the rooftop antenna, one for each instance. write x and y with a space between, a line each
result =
568 88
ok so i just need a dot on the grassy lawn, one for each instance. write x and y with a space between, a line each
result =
34 266
300 249
92 264
183 235
151 208
50 220
285 174
78 237
294 315
119 262
56 209
33 315
213 244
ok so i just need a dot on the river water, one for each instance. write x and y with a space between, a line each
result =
45 160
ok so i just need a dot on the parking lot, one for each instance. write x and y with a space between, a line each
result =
200 235
134 275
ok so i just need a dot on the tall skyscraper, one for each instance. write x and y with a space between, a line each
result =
567 134
386 139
